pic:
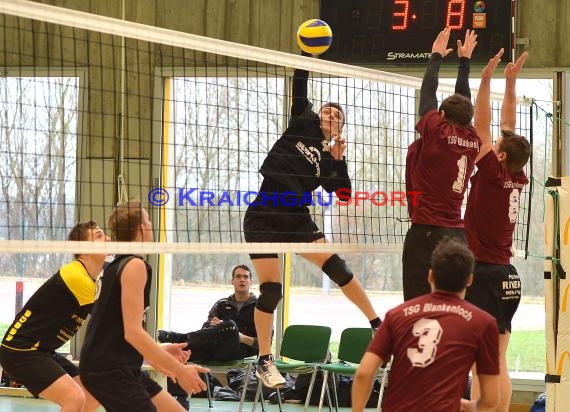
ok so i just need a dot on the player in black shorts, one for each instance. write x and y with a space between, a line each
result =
52 316
309 154
492 211
438 164
116 342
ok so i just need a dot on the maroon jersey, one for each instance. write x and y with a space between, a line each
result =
441 168
435 339
492 210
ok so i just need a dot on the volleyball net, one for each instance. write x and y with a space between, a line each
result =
97 110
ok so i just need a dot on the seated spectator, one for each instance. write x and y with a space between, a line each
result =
229 333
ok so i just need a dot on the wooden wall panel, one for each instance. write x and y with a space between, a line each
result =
254 16
270 24
214 21
237 21
18 41
180 15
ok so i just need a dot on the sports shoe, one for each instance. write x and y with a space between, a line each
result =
268 374
165 336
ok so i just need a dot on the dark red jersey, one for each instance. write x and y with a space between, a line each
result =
441 170
492 210
434 339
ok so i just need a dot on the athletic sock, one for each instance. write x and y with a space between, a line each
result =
263 358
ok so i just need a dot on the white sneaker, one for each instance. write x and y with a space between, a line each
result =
268 374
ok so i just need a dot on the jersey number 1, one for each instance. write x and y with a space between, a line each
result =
429 332
459 183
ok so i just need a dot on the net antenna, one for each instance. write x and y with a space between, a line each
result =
122 194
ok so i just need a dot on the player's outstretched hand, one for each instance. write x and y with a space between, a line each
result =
440 43
512 70
489 69
338 147
190 380
177 351
466 48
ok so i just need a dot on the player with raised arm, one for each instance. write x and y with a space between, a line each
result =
116 342
439 164
309 154
52 316
434 339
492 210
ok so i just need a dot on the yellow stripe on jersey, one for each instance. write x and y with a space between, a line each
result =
79 282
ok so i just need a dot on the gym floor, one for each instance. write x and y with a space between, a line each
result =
21 404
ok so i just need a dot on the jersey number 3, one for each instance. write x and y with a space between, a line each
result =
429 332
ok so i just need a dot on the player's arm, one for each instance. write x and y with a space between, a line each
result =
300 90
464 51
488 369
213 313
334 175
428 97
489 398
509 106
482 116
363 380
133 280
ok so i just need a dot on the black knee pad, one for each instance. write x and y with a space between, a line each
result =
336 269
269 296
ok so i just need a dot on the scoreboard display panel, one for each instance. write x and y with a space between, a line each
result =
401 32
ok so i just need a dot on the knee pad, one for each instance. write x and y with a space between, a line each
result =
269 296
336 269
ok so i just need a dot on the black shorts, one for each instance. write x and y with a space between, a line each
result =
120 390
419 244
496 289
268 224
36 369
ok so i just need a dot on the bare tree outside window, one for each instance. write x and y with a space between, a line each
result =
38 155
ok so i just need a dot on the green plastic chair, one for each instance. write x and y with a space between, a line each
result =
305 347
352 346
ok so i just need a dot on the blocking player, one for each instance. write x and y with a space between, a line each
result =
439 164
492 210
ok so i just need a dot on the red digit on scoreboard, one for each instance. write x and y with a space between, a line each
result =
400 14
455 14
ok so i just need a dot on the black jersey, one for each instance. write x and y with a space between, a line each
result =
55 312
229 309
300 160
105 346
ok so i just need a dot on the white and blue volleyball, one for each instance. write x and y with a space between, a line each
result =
314 36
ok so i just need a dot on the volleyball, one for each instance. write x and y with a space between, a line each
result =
314 36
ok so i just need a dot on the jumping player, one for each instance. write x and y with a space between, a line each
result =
439 164
52 316
309 154
434 339
492 210
116 341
